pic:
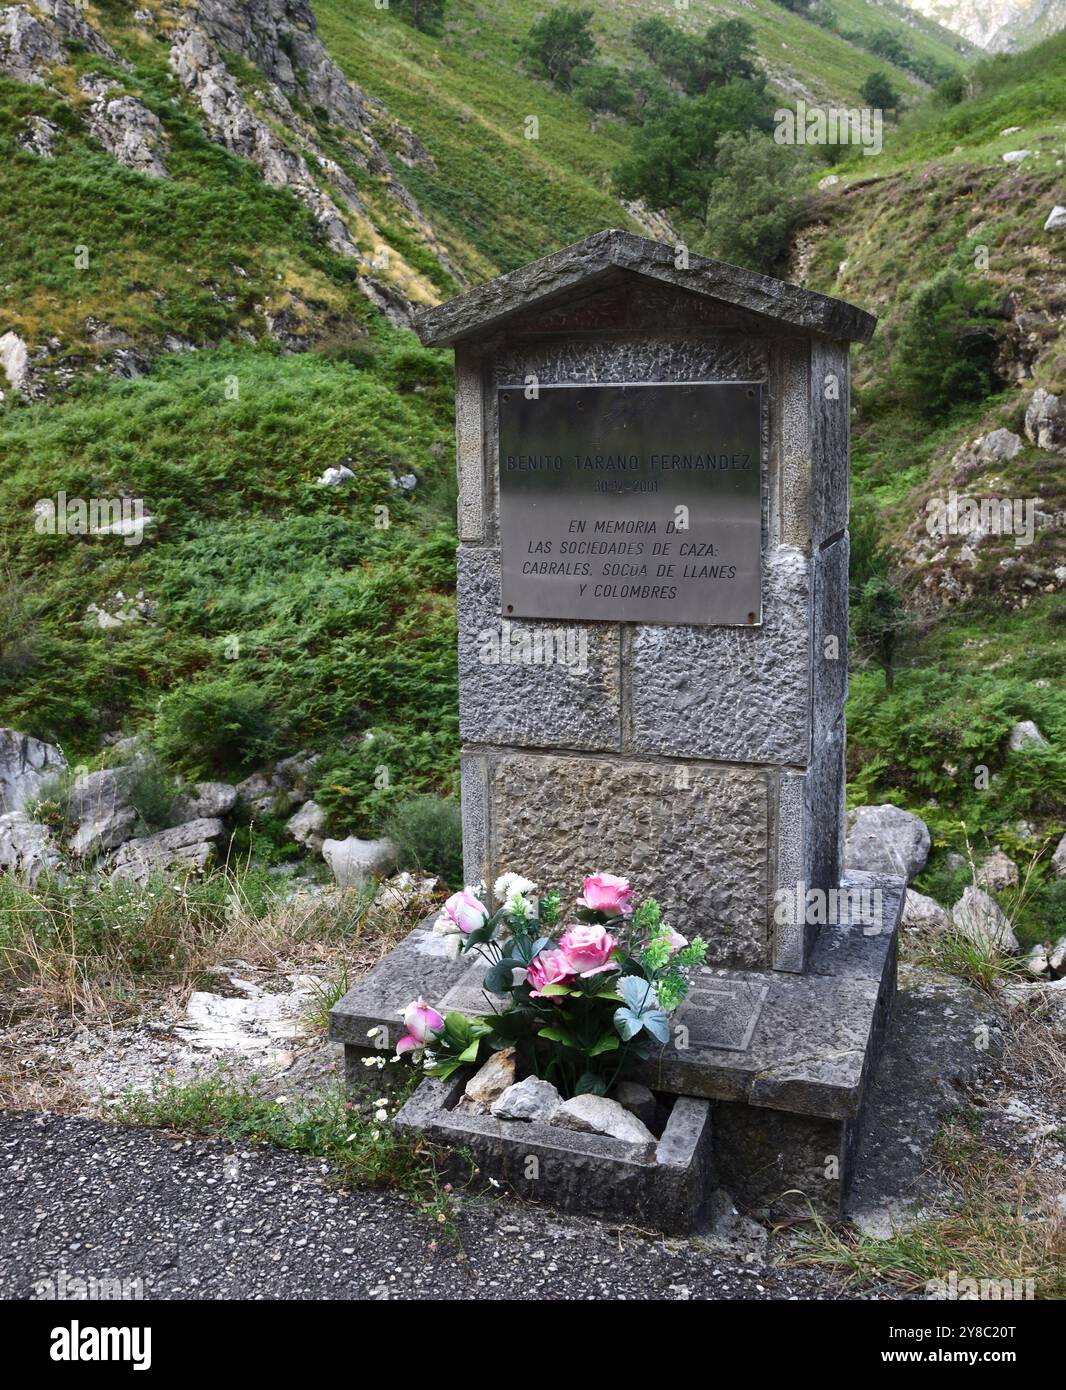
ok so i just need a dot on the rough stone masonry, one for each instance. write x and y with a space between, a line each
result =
704 761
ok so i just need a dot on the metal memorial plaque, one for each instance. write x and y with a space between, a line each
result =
635 503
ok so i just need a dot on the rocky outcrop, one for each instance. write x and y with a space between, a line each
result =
1045 420
27 46
27 848
38 137
98 808
997 25
15 362
210 799
182 849
125 128
25 765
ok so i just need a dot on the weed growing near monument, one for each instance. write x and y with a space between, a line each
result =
585 1001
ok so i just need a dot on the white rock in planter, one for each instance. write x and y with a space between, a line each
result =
354 861
307 824
599 1115
919 910
1025 734
635 1098
979 917
531 1099
25 765
886 840
204 799
998 872
490 1081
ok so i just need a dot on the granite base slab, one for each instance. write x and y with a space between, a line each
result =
784 1058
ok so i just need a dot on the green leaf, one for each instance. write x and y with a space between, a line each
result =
498 977
589 1084
607 1043
470 1054
627 1023
657 1024
554 991
559 1036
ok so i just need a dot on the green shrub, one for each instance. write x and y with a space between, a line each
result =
759 192
151 791
946 350
213 728
359 786
429 833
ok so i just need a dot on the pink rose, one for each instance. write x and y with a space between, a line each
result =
548 968
676 940
607 893
421 1020
465 910
587 948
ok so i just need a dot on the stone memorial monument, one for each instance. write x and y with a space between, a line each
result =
652 453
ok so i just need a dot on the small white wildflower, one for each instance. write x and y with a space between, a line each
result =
281 1100
381 1116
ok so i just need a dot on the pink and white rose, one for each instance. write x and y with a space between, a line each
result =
422 1022
547 968
607 893
464 910
587 947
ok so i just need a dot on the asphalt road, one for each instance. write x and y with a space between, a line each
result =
203 1219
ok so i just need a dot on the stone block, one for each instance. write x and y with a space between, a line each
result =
738 694
830 438
793 495
692 835
470 445
589 1174
551 684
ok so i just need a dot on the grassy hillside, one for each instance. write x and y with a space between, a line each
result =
987 643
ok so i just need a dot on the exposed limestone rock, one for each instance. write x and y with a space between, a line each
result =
998 872
38 137
182 849
125 128
307 825
26 46
531 1099
104 817
25 765
26 847
980 917
15 362
1045 420
599 1115
919 910
209 799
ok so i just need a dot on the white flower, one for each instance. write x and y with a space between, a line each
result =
510 885
381 1116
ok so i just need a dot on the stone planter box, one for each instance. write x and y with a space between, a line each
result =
589 1174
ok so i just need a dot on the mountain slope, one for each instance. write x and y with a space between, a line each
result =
996 25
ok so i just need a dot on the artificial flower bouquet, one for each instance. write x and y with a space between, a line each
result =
578 1001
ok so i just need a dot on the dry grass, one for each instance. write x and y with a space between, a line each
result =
95 947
